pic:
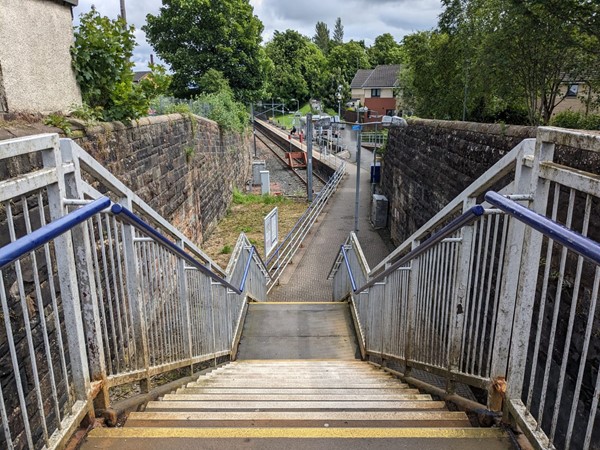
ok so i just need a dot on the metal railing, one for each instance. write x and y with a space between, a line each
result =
508 295
285 251
95 297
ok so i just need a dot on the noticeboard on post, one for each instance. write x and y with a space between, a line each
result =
271 231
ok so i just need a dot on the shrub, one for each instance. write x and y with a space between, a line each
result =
577 120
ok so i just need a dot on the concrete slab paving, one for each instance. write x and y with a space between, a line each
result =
306 279
298 331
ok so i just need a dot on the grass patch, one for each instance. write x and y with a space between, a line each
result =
240 198
247 215
226 250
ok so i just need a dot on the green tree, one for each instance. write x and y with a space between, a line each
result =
431 81
348 58
385 50
321 37
299 69
101 53
213 81
338 32
193 36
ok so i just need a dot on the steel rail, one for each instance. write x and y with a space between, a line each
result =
127 216
28 243
583 246
282 160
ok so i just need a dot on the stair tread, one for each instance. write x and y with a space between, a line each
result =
181 405
298 415
182 395
400 389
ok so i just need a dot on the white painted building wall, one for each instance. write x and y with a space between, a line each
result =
35 60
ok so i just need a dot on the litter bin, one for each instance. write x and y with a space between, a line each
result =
375 173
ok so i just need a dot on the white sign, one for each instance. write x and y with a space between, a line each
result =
271 231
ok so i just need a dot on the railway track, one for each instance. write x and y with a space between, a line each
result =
280 154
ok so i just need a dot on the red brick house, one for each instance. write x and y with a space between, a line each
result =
374 88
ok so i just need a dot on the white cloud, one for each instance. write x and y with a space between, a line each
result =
362 19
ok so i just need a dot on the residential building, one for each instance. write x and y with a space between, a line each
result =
374 88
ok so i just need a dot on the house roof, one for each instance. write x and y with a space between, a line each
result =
360 77
380 76
137 76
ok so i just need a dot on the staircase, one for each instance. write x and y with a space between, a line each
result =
320 398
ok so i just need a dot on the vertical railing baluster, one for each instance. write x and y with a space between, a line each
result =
134 295
184 303
459 300
411 316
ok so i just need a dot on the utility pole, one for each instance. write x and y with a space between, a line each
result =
123 12
253 127
357 199
309 180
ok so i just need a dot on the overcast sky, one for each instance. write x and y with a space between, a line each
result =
362 19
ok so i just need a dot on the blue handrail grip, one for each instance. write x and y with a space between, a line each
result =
350 274
26 244
247 268
132 219
464 219
573 240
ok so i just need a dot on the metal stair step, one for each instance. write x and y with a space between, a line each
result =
227 418
170 404
399 389
331 438
183 395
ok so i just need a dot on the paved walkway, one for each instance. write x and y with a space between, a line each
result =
305 279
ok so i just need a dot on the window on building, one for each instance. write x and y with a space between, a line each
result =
375 92
572 90
390 112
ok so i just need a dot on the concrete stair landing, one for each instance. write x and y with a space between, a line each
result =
297 404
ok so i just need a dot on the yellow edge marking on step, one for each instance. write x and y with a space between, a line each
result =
298 433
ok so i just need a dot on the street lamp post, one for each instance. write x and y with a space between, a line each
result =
297 103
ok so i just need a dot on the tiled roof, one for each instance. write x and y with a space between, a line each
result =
137 76
360 77
379 77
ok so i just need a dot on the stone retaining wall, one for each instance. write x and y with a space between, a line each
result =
185 167
430 162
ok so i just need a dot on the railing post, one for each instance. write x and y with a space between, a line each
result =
509 282
410 310
460 298
134 294
67 276
87 283
524 302
185 307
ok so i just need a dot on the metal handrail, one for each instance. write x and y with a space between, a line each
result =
133 220
26 244
464 219
247 267
350 274
574 241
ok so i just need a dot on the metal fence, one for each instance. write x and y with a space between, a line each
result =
285 251
499 287
98 290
